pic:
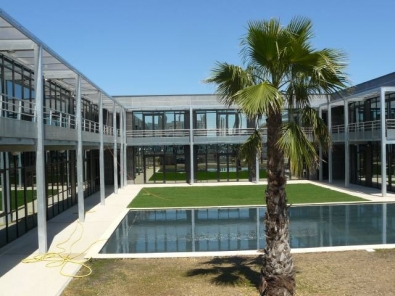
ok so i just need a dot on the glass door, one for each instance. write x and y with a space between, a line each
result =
154 169
152 124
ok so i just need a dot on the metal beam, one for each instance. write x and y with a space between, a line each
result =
11 45
59 74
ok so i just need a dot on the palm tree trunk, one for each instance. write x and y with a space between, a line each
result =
277 274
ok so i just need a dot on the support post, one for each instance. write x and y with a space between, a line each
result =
40 152
346 148
330 164
101 152
257 156
115 156
383 144
80 160
125 165
192 163
320 171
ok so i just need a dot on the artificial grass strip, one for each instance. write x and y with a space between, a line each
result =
31 195
204 175
236 195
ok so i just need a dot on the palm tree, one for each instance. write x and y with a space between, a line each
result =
281 71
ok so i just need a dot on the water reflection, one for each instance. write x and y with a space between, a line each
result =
231 229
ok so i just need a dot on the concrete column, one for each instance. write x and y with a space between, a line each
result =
115 156
101 152
80 160
40 152
383 144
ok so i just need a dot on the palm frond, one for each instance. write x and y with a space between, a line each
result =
249 150
320 131
296 144
229 79
259 99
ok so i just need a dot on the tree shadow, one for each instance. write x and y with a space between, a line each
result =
231 271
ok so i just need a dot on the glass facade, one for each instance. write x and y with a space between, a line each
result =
365 154
171 163
18 188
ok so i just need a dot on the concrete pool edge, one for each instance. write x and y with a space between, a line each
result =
94 252
368 248
98 245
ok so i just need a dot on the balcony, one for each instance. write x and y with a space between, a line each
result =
18 125
182 136
364 131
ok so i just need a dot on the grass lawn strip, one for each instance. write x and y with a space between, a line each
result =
30 196
233 196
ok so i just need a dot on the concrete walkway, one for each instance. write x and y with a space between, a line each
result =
17 278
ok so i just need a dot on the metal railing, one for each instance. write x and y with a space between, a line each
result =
21 110
366 126
223 132
26 110
338 129
158 133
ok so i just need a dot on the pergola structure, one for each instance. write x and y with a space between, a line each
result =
22 46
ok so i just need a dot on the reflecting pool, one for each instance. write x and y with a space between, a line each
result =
235 229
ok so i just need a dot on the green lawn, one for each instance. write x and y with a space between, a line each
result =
30 196
181 176
232 196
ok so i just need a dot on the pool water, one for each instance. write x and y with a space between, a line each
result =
242 228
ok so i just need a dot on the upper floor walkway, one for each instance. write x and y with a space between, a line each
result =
364 131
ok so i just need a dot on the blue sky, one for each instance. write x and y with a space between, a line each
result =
153 47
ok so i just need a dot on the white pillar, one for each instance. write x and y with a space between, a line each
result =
80 160
40 152
330 148
121 148
191 146
346 147
115 156
257 156
384 224
383 144
320 172
124 161
101 152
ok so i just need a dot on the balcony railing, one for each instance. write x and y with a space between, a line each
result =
223 132
365 130
25 110
158 133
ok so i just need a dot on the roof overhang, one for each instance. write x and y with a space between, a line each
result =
18 43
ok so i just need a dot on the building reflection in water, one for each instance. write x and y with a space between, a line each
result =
234 229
